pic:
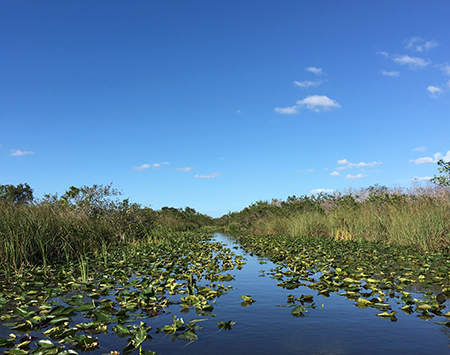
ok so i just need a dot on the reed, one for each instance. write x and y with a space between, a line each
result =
419 219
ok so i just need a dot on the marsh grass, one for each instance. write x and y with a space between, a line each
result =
419 217
31 235
51 231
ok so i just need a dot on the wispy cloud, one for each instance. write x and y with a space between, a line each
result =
419 149
412 62
142 167
354 177
287 110
418 44
185 168
238 111
19 153
318 191
315 103
445 68
348 165
434 91
424 178
318 102
436 157
306 84
384 54
306 170
390 73
335 173
148 166
208 176
314 70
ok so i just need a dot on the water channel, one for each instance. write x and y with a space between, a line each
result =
335 326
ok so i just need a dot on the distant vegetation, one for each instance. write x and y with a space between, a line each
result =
92 219
419 217
82 220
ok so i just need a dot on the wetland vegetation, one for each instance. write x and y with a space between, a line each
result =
90 272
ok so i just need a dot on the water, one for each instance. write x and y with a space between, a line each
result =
337 328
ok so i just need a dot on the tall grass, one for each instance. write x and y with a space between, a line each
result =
31 235
420 218
52 232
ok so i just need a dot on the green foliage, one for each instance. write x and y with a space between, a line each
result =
20 194
82 220
444 170
418 218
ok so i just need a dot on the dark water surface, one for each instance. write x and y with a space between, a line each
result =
335 326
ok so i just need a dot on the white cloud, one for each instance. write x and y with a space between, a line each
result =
390 73
384 54
307 170
287 110
238 111
318 191
306 84
419 149
424 160
184 169
354 177
19 153
436 157
418 44
335 173
208 176
424 178
412 62
318 102
349 165
148 166
434 91
142 167
445 68
314 70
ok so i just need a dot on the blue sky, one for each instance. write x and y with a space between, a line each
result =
218 104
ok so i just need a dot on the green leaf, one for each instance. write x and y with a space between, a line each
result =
16 351
24 314
188 335
45 343
140 336
298 311
59 320
102 316
6 342
121 329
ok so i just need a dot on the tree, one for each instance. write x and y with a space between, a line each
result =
94 201
20 194
444 169
85 196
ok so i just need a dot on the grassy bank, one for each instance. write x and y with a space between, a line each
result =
419 217
57 230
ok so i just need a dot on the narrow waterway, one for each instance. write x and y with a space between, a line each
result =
329 325
334 326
